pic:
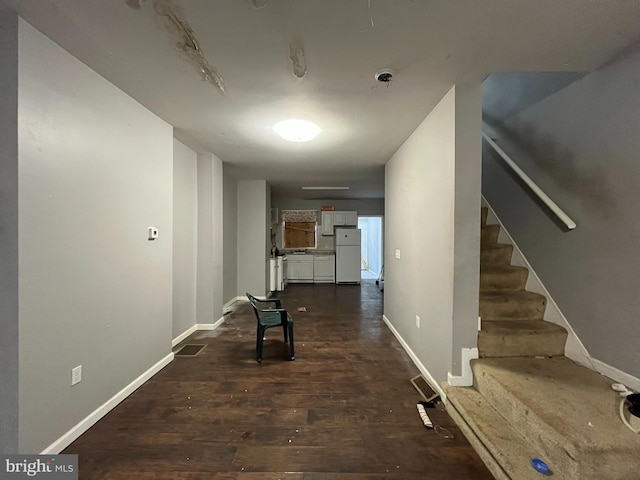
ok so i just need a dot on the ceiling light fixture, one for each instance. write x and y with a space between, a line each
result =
295 130
325 188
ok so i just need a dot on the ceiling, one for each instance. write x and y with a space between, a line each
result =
429 44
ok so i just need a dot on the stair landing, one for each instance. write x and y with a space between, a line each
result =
564 413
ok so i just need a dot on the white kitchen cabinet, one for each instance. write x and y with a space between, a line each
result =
324 269
300 268
327 223
351 219
345 219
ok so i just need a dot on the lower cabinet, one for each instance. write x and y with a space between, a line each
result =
300 268
324 269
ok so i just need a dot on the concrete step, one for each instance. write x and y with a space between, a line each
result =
489 233
484 211
567 412
502 277
521 338
489 433
495 254
520 305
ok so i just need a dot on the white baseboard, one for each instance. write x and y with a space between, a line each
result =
466 379
210 326
231 302
618 375
183 335
196 327
84 425
416 360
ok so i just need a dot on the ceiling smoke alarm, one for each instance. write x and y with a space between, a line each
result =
384 76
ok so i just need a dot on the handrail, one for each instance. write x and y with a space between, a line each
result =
531 184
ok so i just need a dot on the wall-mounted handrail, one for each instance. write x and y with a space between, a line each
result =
531 184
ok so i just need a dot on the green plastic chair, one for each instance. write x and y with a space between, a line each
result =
271 317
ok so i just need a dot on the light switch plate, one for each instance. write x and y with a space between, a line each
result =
76 375
398 253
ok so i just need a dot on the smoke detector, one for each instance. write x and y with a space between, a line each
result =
384 76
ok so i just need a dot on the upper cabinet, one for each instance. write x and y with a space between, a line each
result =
351 219
327 223
338 219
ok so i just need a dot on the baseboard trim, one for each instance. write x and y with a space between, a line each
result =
196 327
65 440
466 379
231 302
210 326
618 375
183 335
416 361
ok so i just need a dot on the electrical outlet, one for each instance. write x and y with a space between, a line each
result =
398 253
418 321
76 375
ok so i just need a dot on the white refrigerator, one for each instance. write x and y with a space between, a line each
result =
347 255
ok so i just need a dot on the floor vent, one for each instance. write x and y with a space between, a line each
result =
189 351
425 390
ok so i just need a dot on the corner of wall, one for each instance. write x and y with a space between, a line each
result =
466 379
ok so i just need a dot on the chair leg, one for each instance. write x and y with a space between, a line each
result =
284 327
259 343
291 341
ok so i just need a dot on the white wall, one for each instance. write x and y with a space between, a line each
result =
433 217
9 360
95 172
230 230
419 221
210 238
581 146
185 237
252 237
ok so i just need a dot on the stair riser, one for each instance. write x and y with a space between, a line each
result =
489 234
498 309
548 344
496 256
557 451
477 443
512 280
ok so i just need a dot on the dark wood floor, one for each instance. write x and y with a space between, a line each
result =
343 410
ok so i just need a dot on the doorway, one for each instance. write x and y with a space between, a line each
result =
371 246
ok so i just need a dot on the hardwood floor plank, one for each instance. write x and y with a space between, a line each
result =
343 410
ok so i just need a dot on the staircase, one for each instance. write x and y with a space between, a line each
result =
528 400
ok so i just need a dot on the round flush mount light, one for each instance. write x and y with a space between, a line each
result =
295 130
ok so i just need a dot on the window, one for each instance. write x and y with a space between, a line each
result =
300 234
299 228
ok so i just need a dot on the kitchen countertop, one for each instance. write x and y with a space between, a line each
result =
308 252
